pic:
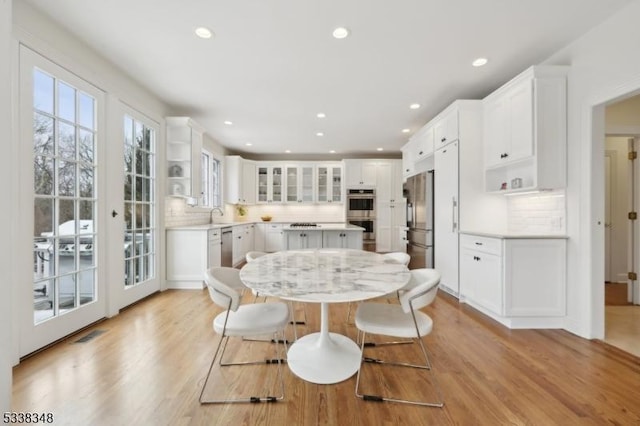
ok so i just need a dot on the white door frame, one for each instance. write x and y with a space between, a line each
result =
592 195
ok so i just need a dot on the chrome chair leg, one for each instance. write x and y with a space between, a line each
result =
379 398
252 399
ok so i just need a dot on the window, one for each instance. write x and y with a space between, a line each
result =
65 198
139 201
211 181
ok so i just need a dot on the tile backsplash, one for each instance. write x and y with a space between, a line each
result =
177 213
537 214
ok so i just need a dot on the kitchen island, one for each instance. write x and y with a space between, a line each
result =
322 235
193 248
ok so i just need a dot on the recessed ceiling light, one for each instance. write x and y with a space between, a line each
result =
321 115
379 149
341 32
414 106
248 144
228 123
203 32
319 134
332 151
287 151
406 130
480 62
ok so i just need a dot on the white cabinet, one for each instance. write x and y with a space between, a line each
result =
525 132
391 208
445 218
342 239
360 173
214 248
535 277
445 128
189 253
184 150
243 236
329 183
270 183
273 238
408 160
520 282
509 125
299 180
303 239
481 272
423 142
459 201
240 180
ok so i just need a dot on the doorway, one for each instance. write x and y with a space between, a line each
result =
622 317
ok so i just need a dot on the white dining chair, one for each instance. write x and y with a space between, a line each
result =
243 320
396 257
253 255
402 321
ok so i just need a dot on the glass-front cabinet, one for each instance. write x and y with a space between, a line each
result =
329 178
270 184
299 184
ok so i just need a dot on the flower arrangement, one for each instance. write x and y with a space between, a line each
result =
241 211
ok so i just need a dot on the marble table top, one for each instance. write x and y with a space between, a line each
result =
324 275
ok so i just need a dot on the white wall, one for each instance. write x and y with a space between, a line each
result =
5 214
604 66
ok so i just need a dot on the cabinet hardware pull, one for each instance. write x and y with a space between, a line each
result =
453 214
478 243
420 153
114 213
443 139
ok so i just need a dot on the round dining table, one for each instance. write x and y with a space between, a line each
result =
324 276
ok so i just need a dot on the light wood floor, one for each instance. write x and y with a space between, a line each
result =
148 366
622 319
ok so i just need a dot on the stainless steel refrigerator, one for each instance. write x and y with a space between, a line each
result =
418 190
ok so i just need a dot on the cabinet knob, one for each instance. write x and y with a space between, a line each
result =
420 153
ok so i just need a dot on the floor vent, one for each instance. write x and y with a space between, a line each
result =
90 336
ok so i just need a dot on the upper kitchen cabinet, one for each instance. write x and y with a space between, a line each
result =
417 154
423 142
525 132
240 180
270 183
299 183
445 128
329 183
360 173
184 148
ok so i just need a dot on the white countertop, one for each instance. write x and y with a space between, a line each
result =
515 236
325 227
321 226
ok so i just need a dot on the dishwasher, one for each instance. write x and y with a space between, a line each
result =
227 247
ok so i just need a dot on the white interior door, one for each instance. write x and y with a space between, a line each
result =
607 217
61 185
446 215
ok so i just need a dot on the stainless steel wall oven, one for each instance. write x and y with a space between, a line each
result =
361 211
361 203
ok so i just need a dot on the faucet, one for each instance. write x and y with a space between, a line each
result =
218 209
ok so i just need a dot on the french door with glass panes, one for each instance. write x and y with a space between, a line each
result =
61 226
133 267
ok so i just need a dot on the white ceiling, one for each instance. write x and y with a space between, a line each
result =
273 64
